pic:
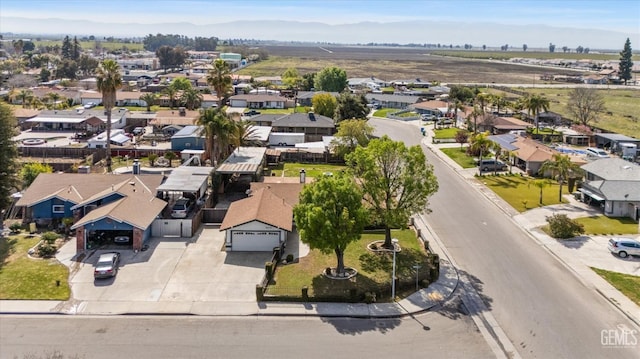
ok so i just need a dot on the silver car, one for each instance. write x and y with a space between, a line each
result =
107 265
624 247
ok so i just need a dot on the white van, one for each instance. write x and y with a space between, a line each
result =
596 153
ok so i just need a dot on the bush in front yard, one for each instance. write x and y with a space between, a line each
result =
561 226
46 249
15 227
50 237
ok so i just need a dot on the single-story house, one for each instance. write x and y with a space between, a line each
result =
101 205
529 154
78 120
391 101
266 119
366 83
314 126
615 182
259 222
259 101
171 130
431 108
188 138
24 114
498 124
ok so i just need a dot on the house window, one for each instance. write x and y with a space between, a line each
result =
56 208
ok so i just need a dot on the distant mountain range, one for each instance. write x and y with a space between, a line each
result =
419 32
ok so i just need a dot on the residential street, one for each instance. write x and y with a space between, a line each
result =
544 309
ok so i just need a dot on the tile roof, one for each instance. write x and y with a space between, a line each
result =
263 206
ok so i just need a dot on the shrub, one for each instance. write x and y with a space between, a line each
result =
369 297
46 249
289 258
15 227
50 237
561 226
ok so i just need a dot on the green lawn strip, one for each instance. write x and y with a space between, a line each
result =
311 169
374 270
384 112
628 284
22 277
459 155
517 189
446 133
603 225
276 111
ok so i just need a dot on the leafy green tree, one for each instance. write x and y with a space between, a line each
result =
351 134
291 78
181 84
324 104
626 62
331 79
67 48
534 104
585 104
87 65
8 155
308 81
350 106
170 156
396 181
149 98
461 93
220 79
67 69
108 82
462 136
562 227
561 167
30 171
171 57
76 49
330 215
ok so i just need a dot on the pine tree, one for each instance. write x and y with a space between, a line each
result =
66 48
75 53
626 63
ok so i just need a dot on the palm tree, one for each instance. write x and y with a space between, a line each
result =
481 143
497 150
483 99
562 168
245 135
220 79
475 114
52 99
541 183
191 98
23 95
217 128
499 102
108 81
170 156
150 99
536 103
171 93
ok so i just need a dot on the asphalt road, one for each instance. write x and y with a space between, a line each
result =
545 311
449 335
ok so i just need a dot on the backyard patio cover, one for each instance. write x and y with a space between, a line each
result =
186 179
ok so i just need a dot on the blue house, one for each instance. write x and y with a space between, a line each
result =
101 206
188 138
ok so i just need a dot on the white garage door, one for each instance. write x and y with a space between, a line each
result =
249 241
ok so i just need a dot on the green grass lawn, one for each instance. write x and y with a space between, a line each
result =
384 112
292 169
628 284
446 132
24 278
459 155
517 189
374 270
602 225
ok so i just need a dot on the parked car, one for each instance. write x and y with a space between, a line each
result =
492 165
138 131
182 207
107 265
596 153
89 105
624 247
252 113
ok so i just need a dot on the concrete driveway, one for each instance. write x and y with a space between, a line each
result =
185 270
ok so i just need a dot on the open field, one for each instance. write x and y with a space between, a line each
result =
505 55
88 45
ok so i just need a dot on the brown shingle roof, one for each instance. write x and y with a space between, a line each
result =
263 206
290 192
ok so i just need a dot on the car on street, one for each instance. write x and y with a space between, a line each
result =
182 207
107 265
624 247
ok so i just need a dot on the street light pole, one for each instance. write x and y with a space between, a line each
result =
417 268
394 241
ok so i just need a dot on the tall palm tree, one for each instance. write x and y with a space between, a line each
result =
245 135
498 101
541 184
562 168
497 151
536 103
220 79
191 98
108 82
171 93
481 143
475 114
482 99
218 129
25 97
150 99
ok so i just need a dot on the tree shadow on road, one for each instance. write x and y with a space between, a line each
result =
354 326
455 308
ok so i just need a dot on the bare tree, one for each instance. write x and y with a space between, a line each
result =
585 104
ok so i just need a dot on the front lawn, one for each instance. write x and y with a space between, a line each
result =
22 277
384 112
628 284
374 270
460 156
446 132
603 225
520 192
292 169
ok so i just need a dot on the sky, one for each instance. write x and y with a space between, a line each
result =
615 15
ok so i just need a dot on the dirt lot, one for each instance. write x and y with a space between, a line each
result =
392 63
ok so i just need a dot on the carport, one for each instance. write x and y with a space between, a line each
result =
186 181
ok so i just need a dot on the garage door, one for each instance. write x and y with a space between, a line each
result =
249 241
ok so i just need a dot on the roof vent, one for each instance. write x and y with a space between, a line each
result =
312 116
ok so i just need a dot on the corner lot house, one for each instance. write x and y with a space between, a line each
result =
260 222
615 182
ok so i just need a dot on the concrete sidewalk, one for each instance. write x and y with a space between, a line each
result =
420 301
